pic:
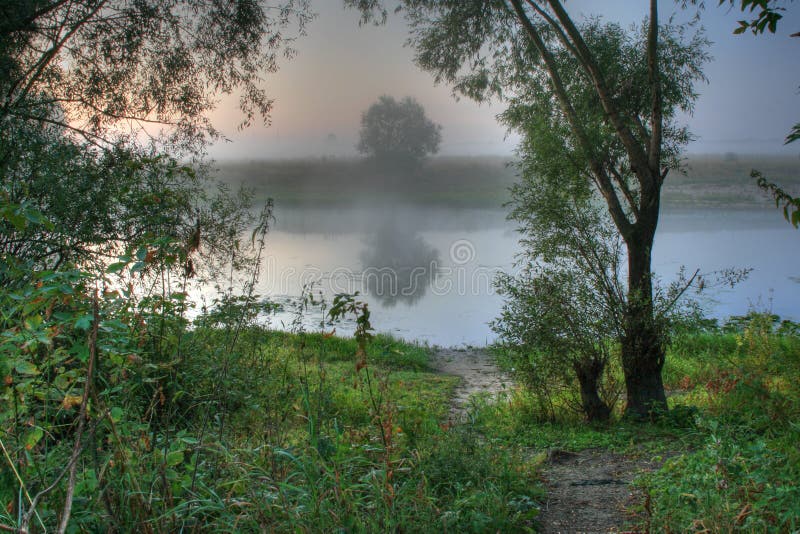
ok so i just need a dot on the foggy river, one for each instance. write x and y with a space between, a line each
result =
427 271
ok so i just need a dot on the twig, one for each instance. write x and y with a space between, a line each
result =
23 526
681 292
76 450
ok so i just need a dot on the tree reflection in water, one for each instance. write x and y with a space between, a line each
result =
399 265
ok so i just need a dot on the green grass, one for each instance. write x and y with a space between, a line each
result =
730 437
472 182
365 449
229 429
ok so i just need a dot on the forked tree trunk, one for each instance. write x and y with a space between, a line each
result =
643 337
589 375
642 340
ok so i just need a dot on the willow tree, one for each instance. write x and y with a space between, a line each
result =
82 82
495 48
99 67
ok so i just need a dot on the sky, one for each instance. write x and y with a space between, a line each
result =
749 105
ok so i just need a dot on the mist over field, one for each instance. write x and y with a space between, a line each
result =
350 225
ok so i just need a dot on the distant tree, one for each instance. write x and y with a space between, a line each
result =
398 133
630 90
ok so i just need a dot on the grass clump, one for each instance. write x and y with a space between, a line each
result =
743 475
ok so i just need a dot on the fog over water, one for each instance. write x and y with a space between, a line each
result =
427 271
341 68
426 266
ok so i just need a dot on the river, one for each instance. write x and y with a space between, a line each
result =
426 271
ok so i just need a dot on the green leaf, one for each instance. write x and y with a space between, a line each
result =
80 350
116 414
174 458
25 367
794 135
84 322
116 267
36 217
33 437
66 289
16 220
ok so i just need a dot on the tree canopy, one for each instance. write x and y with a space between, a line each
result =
101 67
504 48
398 132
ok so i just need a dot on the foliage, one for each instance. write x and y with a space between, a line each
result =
398 133
93 66
791 205
567 308
744 474
535 54
121 408
768 13
730 484
117 412
103 203
563 311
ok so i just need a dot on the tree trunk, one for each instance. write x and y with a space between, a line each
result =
589 374
643 338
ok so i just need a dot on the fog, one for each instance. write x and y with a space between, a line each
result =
341 68
422 246
430 278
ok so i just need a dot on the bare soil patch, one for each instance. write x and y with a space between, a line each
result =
479 374
590 491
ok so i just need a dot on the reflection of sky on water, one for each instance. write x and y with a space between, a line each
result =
455 304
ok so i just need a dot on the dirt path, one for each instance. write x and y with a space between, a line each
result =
479 374
589 491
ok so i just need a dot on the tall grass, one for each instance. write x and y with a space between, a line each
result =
118 413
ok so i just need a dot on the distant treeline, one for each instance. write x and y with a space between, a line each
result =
715 181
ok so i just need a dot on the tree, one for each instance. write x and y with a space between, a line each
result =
83 81
96 67
567 307
398 133
561 314
494 48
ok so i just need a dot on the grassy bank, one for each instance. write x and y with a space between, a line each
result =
228 427
275 432
710 181
730 439
119 413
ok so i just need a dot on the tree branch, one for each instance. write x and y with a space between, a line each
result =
656 113
635 151
602 180
62 527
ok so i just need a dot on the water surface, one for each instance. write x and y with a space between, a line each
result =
426 271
